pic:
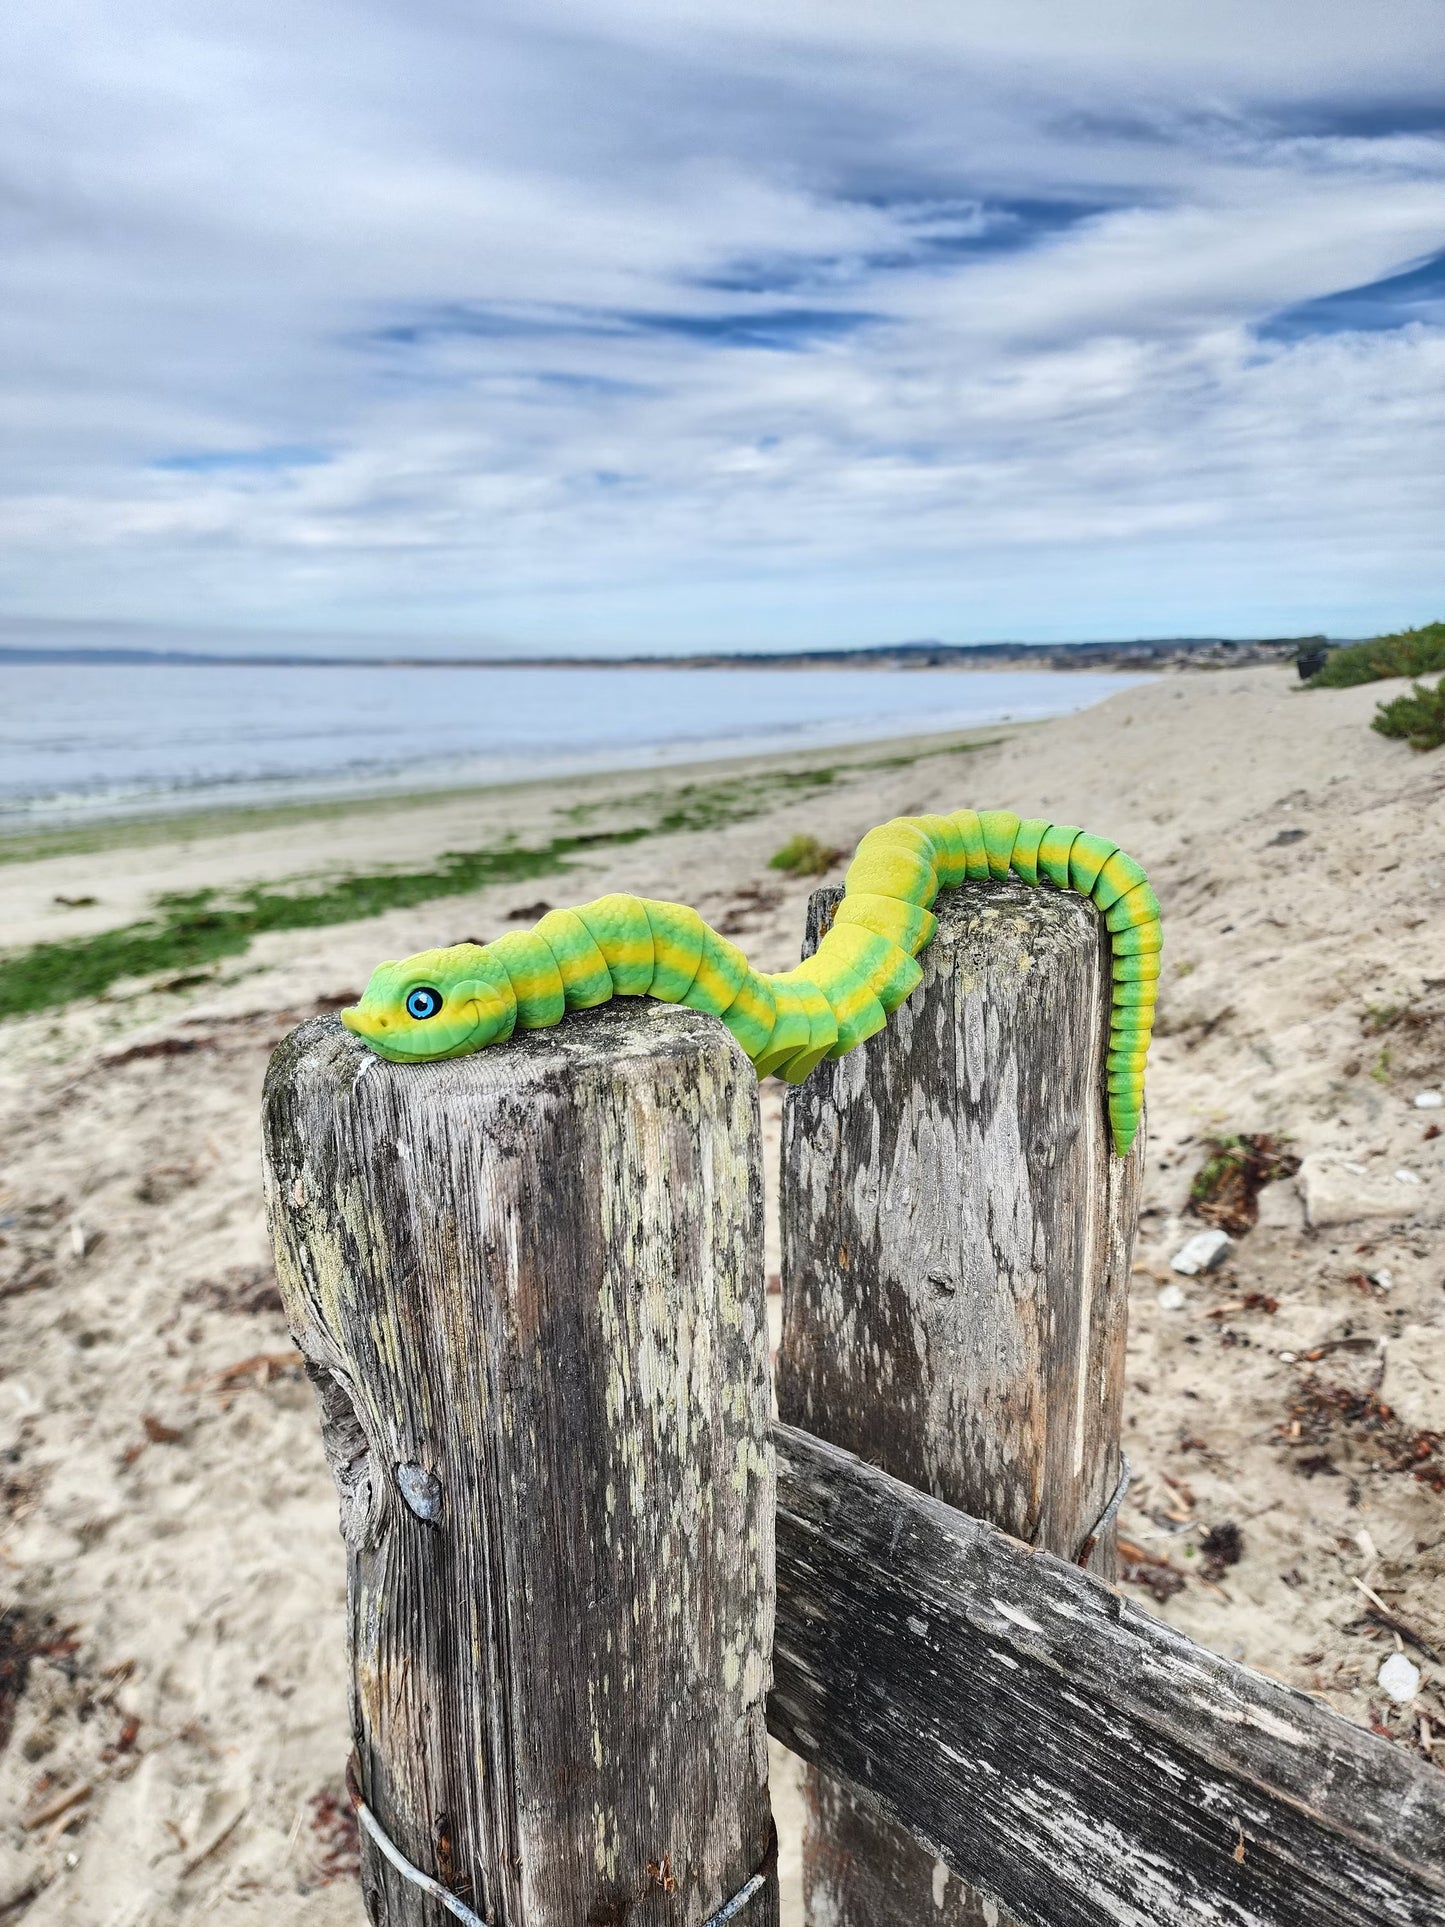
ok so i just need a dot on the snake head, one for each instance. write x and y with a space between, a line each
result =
440 1003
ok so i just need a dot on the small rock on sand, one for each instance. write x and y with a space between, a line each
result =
1400 1678
1202 1252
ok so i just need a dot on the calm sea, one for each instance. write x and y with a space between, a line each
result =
80 741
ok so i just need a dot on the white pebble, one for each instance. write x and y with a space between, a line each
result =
1429 1100
1400 1678
1403 1176
1202 1252
1384 1279
1170 1299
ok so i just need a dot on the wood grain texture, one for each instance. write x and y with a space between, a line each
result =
956 1246
528 1285
1089 1765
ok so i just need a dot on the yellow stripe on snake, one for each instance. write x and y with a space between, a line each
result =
447 1003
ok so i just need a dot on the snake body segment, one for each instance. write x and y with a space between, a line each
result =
447 1003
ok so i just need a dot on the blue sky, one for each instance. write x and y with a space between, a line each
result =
665 324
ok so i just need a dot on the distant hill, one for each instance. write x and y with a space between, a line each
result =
1171 652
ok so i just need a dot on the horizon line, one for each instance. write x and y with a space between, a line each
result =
920 653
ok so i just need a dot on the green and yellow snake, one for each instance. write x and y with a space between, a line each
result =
447 1003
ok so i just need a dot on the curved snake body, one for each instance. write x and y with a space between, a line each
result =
448 1003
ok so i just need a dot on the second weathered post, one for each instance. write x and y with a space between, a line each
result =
528 1288
956 1246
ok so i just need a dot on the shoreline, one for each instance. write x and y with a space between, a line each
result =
178 901
209 820
194 753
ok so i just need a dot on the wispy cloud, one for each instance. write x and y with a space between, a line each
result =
1416 295
665 322
223 461
740 327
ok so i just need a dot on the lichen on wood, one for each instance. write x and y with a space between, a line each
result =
956 1245
528 1287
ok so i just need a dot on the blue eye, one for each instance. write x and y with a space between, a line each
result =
423 1002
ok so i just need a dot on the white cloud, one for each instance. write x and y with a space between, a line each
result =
451 324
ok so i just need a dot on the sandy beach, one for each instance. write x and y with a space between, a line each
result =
169 1554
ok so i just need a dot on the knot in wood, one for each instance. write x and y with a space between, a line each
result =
421 1490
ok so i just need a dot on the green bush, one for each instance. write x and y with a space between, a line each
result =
1418 717
804 856
1413 652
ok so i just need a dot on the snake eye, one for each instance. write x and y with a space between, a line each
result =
423 1002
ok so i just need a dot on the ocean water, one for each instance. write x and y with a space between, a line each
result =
88 740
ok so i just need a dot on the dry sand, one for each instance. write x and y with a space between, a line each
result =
168 1527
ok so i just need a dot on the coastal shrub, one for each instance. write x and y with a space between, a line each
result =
1411 652
1419 717
804 856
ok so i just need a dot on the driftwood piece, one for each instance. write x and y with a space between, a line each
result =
528 1288
1088 1765
956 1246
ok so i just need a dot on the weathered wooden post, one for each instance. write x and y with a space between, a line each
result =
956 1251
528 1286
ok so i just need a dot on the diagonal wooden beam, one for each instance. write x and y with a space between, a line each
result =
1077 1759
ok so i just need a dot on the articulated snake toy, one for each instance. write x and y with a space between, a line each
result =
448 1003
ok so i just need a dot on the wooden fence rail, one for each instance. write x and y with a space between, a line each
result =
1080 1761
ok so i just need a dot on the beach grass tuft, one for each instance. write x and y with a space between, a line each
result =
804 856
